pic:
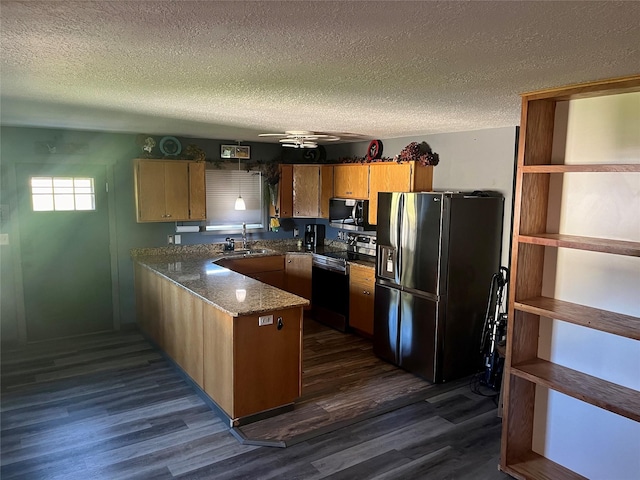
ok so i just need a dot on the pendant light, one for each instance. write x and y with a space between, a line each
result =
240 205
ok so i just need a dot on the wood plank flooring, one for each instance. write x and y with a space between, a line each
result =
342 382
109 406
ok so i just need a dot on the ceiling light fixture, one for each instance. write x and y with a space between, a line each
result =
301 138
240 205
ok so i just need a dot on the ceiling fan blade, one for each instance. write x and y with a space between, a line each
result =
298 133
273 135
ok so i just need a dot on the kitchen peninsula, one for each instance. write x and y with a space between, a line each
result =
238 339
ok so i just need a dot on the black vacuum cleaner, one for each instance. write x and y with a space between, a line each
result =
494 332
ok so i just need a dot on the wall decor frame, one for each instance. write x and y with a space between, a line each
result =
235 151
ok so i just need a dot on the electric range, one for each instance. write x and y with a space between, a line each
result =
330 280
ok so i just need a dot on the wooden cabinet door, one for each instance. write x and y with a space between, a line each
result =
361 298
298 275
326 190
197 191
162 190
387 177
176 184
285 192
312 189
351 181
306 190
150 200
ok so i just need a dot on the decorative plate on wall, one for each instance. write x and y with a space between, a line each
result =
170 146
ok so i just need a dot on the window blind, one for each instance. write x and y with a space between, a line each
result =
223 187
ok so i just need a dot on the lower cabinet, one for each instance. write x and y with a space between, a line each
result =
362 282
246 368
269 270
298 275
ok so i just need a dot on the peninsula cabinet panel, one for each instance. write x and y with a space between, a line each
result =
396 177
250 368
168 190
183 329
351 181
268 364
535 199
218 357
362 282
149 303
312 189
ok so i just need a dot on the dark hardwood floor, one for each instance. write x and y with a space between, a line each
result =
109 406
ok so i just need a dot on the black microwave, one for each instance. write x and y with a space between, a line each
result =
350 214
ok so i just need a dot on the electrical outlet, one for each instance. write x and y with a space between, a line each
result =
170 239
296 233
265 320
177 239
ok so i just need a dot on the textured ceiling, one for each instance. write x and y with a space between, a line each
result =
231 70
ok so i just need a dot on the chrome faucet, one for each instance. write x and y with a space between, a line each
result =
244 236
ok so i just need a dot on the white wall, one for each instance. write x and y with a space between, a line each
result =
474 160
595 443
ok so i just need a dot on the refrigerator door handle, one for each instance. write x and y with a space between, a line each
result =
398 234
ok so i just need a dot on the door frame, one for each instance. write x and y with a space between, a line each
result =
18 279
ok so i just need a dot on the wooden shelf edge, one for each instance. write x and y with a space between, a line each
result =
596 391
598 168
587 90
603 245
602 320
535 466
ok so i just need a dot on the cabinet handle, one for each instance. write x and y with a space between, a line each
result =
288 261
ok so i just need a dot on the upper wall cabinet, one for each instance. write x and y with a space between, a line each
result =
197 191
351 181
284 207
396 177
312 189
169 190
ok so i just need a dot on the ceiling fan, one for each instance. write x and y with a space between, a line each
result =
301 138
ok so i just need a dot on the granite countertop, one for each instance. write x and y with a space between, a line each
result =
192 267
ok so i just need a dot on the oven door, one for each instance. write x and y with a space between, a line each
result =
330 297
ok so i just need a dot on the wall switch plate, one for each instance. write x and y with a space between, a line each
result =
4 239
177 239
265 320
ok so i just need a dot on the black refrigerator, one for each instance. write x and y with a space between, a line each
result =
436 254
